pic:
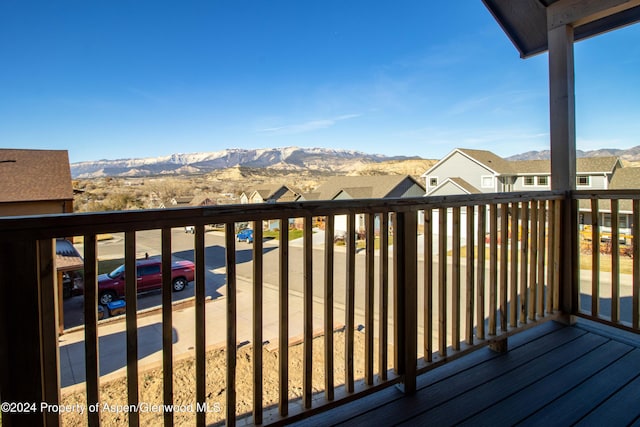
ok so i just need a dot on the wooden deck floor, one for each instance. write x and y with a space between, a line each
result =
551 375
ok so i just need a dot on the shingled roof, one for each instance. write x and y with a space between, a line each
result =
583 165
490 160
625 178
368 187
34 175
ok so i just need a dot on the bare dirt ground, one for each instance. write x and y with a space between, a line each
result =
114 393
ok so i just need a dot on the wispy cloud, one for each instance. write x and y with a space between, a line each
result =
309 126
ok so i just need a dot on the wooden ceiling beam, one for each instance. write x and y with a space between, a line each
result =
580 12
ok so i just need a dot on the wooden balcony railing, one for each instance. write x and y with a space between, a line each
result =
459 273
609 257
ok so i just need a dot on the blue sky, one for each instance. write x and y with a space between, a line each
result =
116 79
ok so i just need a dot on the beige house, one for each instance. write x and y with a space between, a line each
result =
271 194
35 182
364 187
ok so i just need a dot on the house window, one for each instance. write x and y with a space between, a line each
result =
622 220
583 180
487 181
433 182
529 180
543 180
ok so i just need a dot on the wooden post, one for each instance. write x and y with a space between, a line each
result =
21 346
563 154
407 295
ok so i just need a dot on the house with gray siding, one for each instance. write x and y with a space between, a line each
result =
465 171
593 173
479 170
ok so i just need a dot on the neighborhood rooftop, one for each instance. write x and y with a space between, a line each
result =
23 173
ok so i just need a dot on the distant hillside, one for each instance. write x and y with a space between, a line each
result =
630 154
288 158
413 167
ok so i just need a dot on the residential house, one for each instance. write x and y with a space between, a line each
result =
622 179
35 182
364 187
593 173
465 171
271 194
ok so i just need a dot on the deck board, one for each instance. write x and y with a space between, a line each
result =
551 389
621 409
577 403
348 413
507 382
438 390
552 375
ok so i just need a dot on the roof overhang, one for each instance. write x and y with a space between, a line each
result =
527 22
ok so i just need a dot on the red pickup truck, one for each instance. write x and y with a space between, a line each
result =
111 285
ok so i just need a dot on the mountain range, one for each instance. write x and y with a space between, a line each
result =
629 154
287 158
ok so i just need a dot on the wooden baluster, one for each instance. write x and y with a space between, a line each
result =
47 276
91 327
615 262
493 268
257 321
480 270
349 303
542 221
442 282
167 326
428 285
131 295
533 261
455 288
556 259
200 321
368 294
595 258
551 257
513 304
283 308
307 379
524 260
383 297
328 307
504 253
469 272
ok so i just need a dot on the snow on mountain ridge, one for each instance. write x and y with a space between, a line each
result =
295 157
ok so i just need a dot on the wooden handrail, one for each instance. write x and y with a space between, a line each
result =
51 226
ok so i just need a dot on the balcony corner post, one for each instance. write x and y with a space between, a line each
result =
563 158
21 341
407 297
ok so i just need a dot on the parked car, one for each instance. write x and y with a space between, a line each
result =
149 271
190 229
245 235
